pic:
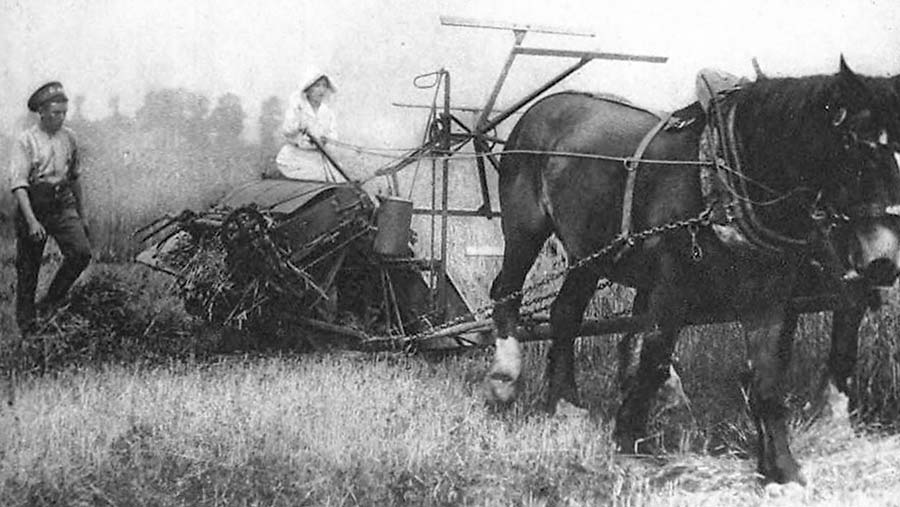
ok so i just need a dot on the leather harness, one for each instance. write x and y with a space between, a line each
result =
740 209
631 166
744 227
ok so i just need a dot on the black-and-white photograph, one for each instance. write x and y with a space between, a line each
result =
432 253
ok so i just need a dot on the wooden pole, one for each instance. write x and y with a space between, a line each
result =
492 98
445 197
540 330
502 25
315 142
576 53
487 126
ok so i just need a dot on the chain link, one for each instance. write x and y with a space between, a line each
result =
538 303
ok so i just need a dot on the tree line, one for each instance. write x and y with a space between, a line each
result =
178 150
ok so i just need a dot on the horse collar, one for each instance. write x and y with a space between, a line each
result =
727 188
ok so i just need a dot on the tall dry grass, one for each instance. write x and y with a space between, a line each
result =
347 429
137 178
325 429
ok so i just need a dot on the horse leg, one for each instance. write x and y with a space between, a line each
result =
519 254
629 350
629 347
769 338
566 316
667 308
836 397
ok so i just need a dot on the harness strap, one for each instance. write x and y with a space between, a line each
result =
759 235
631 166
826 253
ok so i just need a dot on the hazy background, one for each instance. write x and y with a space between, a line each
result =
175 102
102 48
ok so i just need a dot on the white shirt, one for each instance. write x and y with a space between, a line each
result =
38 157
298 158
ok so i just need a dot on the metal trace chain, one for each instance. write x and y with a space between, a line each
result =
538 303
702 219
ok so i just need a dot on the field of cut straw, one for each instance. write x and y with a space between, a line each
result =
173 423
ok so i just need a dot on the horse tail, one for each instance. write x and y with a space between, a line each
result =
520 176
527 152
525 220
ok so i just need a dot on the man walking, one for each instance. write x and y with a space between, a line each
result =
44 175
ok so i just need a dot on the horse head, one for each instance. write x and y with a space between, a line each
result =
864 114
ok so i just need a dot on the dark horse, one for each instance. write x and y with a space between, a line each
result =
803 145
842 358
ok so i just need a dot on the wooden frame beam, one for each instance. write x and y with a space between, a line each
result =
602 55
525 27
454 212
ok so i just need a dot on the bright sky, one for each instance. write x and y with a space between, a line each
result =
373 49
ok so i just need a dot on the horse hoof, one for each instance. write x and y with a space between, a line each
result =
792 493
499 389
833 406
502 379
671 394
783 473
790 472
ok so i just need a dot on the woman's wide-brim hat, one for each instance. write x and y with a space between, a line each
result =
50 92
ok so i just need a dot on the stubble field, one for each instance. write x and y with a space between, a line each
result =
346 428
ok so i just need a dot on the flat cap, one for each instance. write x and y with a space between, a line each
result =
50 92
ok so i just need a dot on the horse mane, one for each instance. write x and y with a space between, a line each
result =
784 144
780 110
785 130
785 124
789 144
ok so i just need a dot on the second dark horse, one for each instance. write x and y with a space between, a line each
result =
804 146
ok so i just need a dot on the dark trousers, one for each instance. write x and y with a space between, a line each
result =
55 209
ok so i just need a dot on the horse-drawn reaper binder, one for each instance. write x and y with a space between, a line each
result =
279 254
302 254
276 255
416 299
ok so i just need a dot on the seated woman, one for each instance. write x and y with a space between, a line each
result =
308 115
